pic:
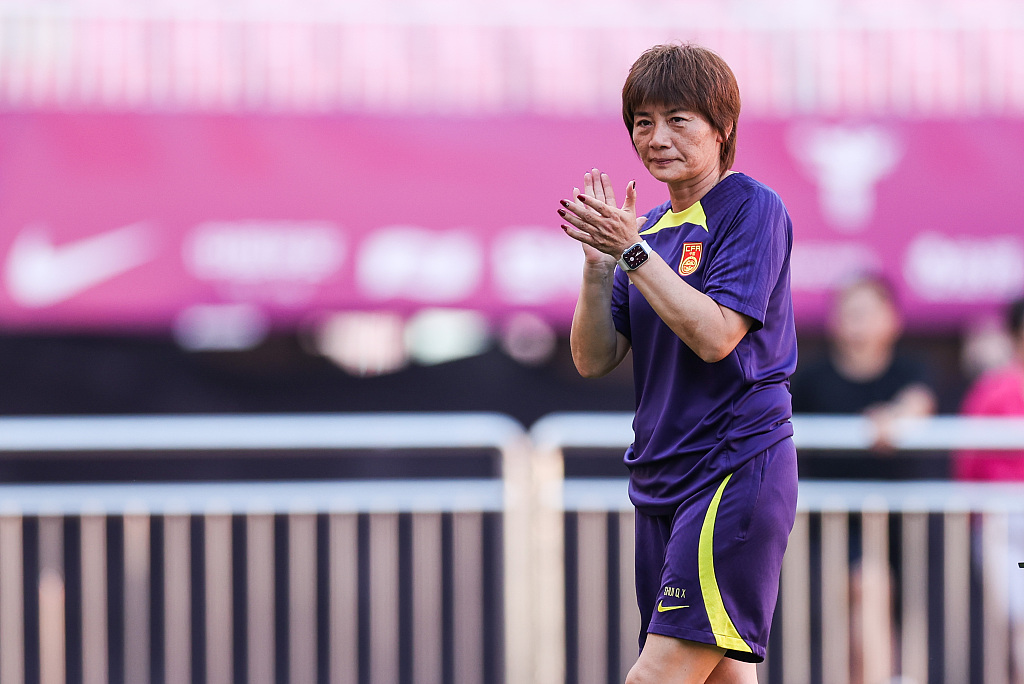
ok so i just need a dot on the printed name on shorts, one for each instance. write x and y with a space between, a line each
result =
671 592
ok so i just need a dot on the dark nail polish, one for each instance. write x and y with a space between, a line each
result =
561 213
563 203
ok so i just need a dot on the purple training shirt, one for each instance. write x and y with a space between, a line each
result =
696 421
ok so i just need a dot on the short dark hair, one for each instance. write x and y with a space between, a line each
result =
873 281
1015 317
691 77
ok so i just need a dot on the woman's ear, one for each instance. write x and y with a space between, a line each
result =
724 136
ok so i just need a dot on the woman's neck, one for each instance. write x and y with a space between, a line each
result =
862 365
686 193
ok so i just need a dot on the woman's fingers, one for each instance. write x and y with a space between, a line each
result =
629 204
609 192
598 186
578 206
597 181
583 206
588 184
573 231
574 205
593 218
571 214
592 208
579 234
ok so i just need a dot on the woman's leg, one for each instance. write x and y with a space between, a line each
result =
667 659
731 671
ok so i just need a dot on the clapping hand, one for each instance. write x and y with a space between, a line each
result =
604 230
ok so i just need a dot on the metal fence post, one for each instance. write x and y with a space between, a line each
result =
12 599
549 565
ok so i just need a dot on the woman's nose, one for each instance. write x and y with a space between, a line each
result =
659 136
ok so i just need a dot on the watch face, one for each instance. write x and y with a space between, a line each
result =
635 256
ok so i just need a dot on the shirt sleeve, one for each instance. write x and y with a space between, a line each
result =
992 394
750 258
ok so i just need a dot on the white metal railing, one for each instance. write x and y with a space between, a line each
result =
811 431
327 529
969 534
322 523
236 432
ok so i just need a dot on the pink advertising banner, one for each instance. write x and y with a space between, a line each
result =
130 221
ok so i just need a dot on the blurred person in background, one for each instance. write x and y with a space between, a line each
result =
1000 392
997 392
986 345
702 298
864 374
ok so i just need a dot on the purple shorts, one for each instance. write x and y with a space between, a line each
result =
710 572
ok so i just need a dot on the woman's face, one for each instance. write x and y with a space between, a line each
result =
865 319
674 144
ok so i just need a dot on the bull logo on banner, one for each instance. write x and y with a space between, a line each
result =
846 163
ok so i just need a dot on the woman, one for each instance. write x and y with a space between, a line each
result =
702 298
999 393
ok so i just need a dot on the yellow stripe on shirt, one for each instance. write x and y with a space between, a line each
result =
722 626
694 214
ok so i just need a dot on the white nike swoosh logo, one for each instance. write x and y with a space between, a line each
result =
39 274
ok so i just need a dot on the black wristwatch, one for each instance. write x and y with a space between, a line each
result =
635 256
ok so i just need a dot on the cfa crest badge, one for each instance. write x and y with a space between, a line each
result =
691 257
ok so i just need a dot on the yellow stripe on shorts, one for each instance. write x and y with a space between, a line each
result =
722 626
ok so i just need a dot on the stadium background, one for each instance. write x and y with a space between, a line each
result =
279 185
268 207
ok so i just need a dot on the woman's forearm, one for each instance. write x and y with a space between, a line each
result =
597 348
712 331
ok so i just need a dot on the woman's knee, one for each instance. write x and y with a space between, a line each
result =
731 671
642 673
667 659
